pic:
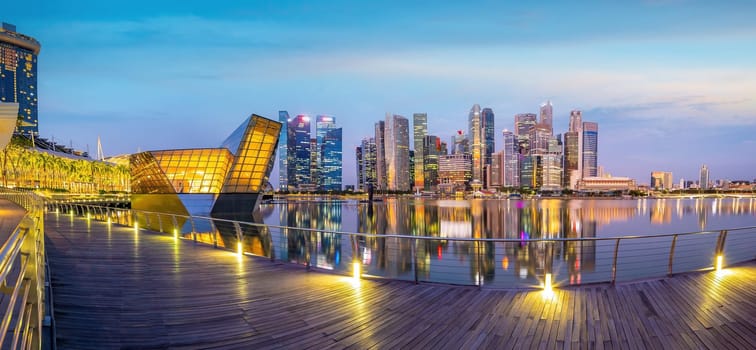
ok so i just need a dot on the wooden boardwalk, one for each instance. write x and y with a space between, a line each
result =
114 288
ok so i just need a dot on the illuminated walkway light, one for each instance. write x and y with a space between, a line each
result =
239 248
356 273
719 262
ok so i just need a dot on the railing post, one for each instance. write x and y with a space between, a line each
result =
671 255
160 222
194 231
308 238
614 263
239 236
175 225
212 232
413 248
480 267
721 242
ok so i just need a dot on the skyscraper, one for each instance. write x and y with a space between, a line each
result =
477 143
331 160
661 180
367 164
380 153
511 160
18 76
590 149
704 177
432 151
397 152
489 135
283 154
547 116
420 128
298 139
573 151
359 165
524 124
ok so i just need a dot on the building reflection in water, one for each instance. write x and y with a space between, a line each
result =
469 262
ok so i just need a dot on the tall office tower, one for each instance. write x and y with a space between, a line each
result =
547 116
530 175
18 76
283 154
420 128
431 152
367 166
477 145
511 160
443 148
314 164
411 168
590 149
573 150
331 160
455 169
552 166
704 178
489 135
460 143
496 170
380 153
539 139
359 164
328 153
397 152
661 180
298 155
524 124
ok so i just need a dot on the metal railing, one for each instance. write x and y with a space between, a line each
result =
22 273
493 262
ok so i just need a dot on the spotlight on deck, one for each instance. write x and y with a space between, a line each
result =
356 273
548 289
719 262
239 248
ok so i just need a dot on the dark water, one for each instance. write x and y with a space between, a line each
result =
507 264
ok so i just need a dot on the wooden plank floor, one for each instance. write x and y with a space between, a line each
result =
117 289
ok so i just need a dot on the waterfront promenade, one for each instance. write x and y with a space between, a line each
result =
117 288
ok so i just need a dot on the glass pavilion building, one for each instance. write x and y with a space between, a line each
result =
223 182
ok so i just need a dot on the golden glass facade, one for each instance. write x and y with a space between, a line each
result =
254 156
195 170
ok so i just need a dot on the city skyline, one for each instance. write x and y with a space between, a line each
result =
670 91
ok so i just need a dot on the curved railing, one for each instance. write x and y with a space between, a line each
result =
22 273
490 262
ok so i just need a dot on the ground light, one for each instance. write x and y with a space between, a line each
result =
239 248
356 273
136 227
175 233
548 289
719 262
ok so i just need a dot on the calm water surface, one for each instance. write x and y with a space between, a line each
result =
509 264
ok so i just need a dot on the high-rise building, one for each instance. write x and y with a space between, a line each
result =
314 165
367 164
552 166
477 143
328 153
359 165
524 124
397 152
283 154
496 170
547 116
298 160
661 180
420 130
704 177
489 135
573 151
331 160
454 169
460 143
432 151
511 160
18 76
590 149
380 152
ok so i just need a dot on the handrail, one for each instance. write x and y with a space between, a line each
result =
22 274
414 240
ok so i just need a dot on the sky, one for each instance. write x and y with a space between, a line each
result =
671 83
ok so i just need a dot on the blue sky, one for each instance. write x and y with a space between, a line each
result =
672 84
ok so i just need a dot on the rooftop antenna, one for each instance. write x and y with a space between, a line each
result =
100 154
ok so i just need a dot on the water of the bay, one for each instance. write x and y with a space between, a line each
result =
515 263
